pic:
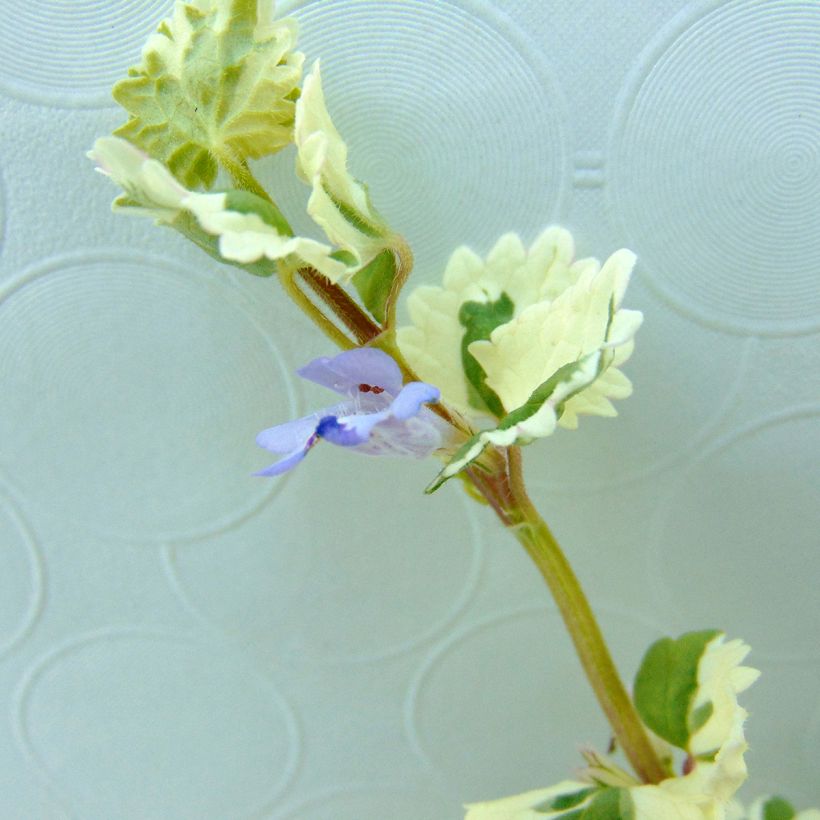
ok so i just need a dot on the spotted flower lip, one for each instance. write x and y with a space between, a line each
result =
379 416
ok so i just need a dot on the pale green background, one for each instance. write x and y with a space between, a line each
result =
179 640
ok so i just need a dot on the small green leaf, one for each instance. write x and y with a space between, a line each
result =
375 281
479 320
776 808
667 682
463 457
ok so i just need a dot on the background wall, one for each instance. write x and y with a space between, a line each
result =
180 640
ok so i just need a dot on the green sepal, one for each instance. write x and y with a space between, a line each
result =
245 202
479 320
666 684
525 423
212 87
374 283
776 808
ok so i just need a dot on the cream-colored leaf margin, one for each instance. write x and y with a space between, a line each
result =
216 85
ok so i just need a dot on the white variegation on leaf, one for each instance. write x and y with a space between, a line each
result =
217 84
633 803
245 225
150 190
720 679
715 768
245 236
655 802
532 805
687 691
545 336
338 203
560 313
432 342
536 418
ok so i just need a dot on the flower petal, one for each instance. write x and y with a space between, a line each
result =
417 437
349 431
292 435
412 397
286 463
357 428
347 371
380 416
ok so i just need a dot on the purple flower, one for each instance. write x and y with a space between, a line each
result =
378 417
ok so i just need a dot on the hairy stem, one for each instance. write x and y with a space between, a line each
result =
302 300
343 306
404 266
243 178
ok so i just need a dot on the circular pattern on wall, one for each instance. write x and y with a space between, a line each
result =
348 572
132 392
114 703
715 165
404 802
2 210
500 686
21 581
68 53
451 117
741 529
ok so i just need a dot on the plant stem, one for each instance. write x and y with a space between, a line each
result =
302 300
243 178
345 308
404 266
523 519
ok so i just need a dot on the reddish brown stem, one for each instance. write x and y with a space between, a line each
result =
343 306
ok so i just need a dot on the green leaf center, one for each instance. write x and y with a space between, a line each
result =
479 320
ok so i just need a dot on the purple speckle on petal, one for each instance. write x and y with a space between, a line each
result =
347 371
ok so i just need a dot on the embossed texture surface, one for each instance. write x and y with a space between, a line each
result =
181 641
